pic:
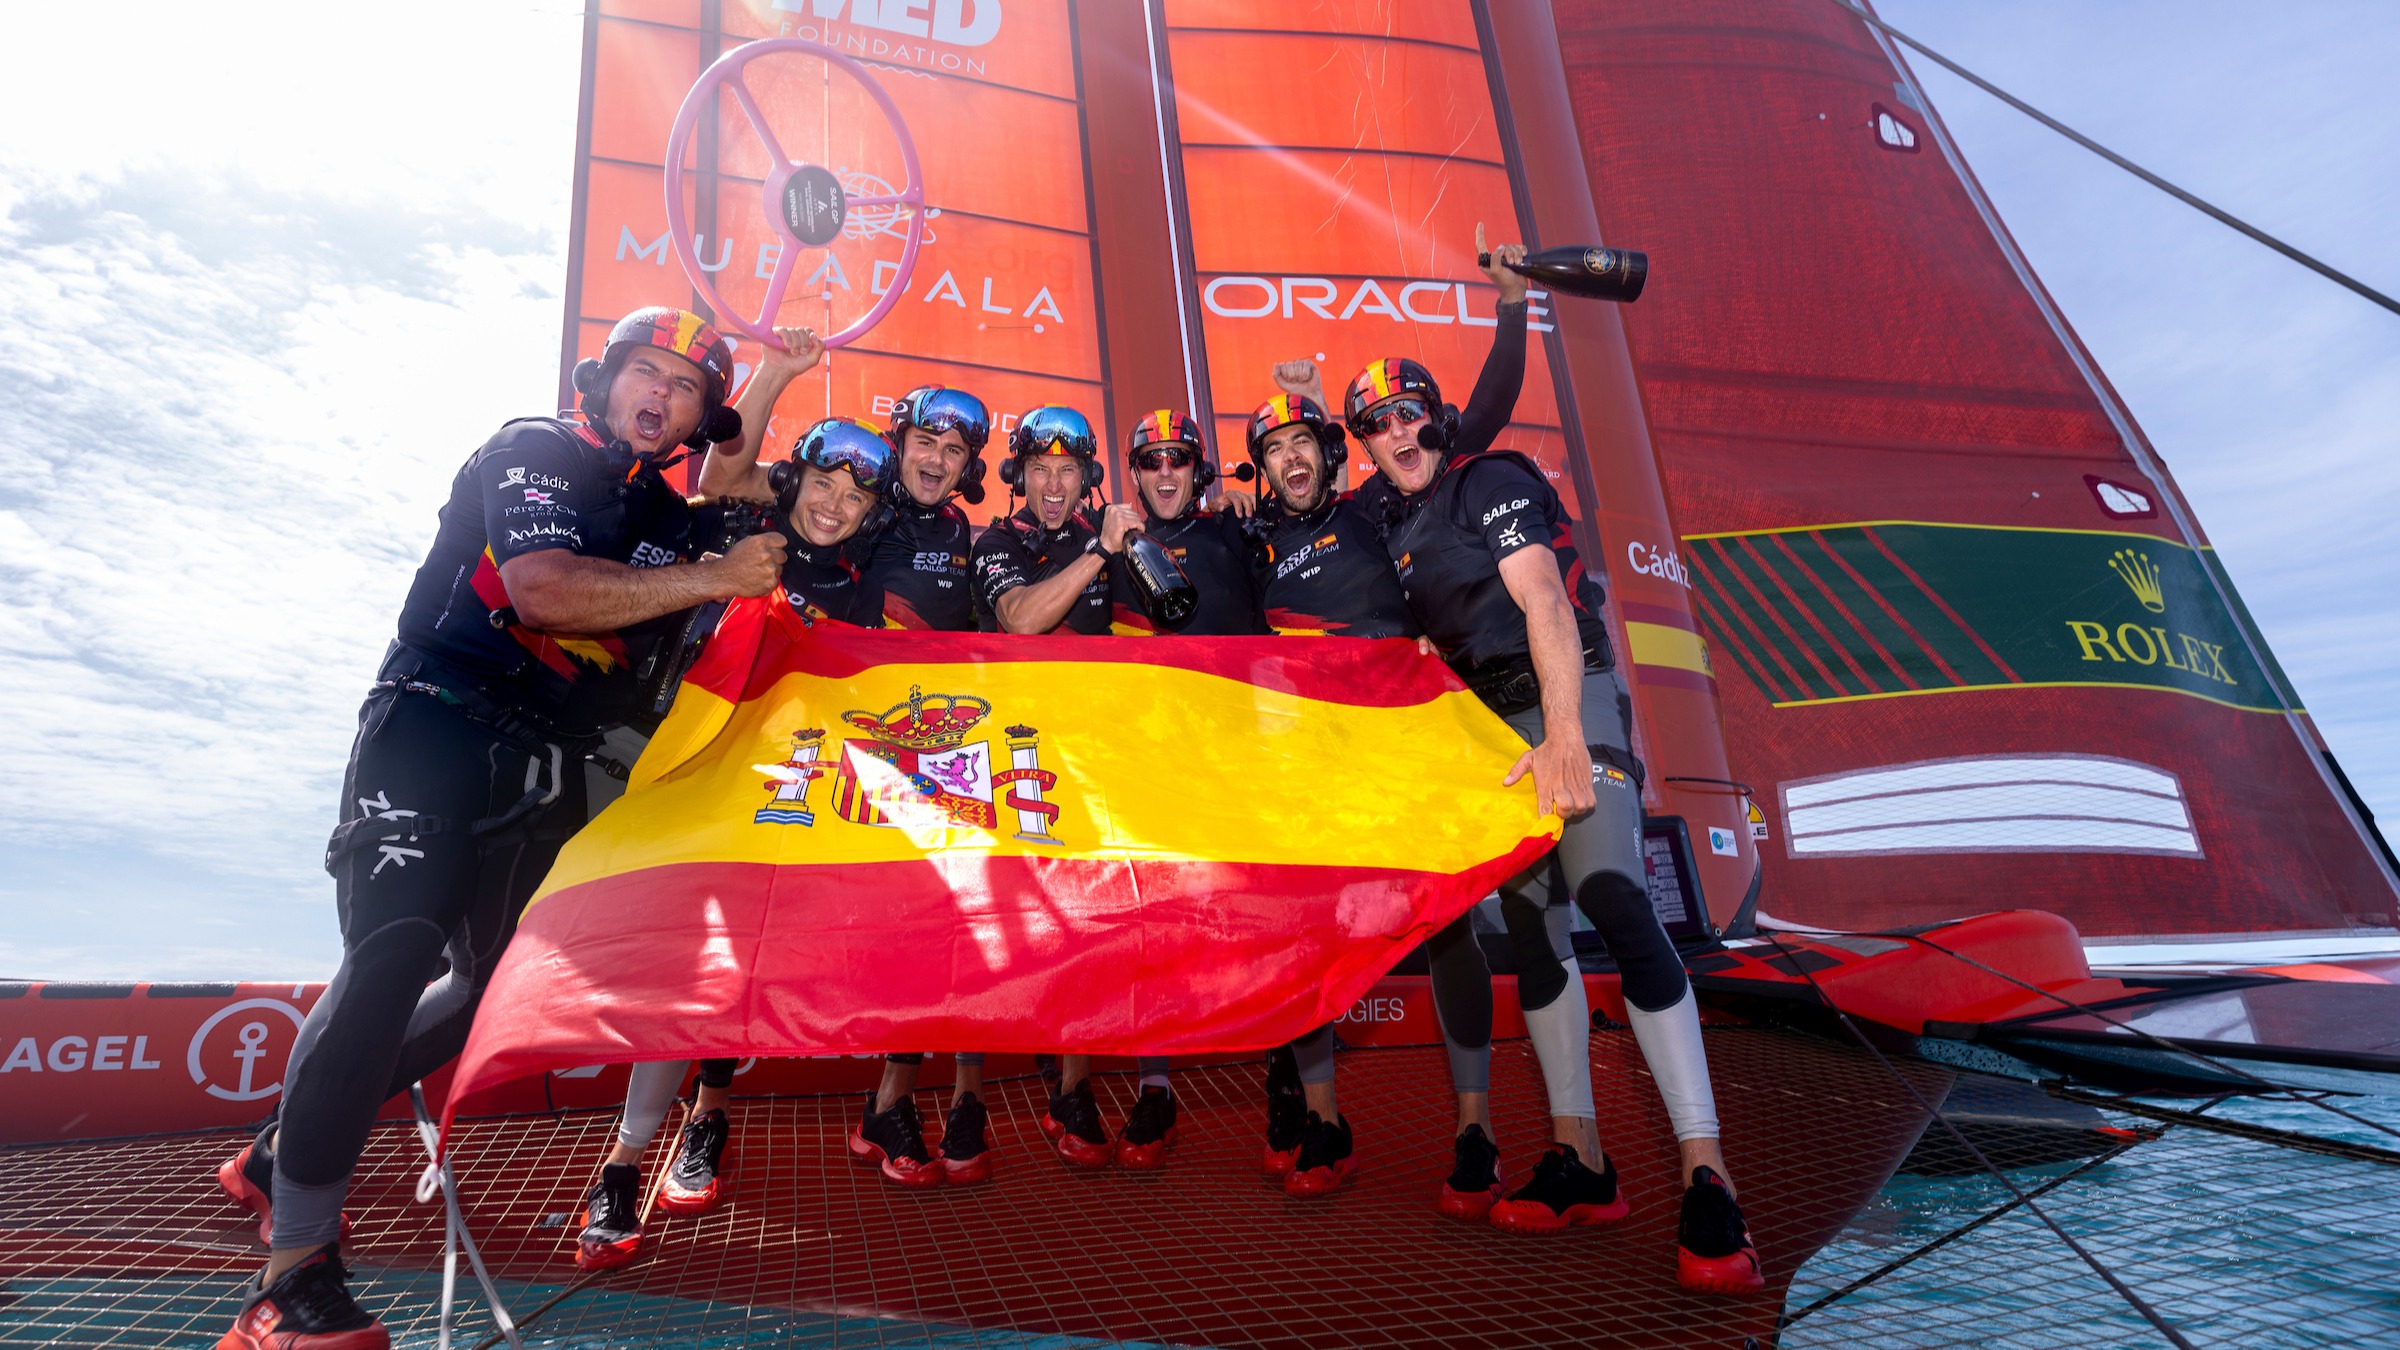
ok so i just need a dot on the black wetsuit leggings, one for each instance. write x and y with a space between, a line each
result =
403 905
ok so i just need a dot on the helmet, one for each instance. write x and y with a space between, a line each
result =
937 409
1282 411
679 331
1169 427
1382 379
843 443
1053 429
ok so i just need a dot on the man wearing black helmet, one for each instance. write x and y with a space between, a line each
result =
1171 471
1483 547
1044 569
834 489
918 561
517 646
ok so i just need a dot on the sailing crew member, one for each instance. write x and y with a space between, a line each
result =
832 494
559 546
1483 548
1323 571
919 563
1045 569
1171 472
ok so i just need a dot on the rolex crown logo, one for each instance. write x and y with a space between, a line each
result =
925 721
2139 573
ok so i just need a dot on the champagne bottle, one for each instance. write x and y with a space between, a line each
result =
1167 594
1597 273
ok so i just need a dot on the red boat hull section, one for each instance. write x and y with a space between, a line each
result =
1964 651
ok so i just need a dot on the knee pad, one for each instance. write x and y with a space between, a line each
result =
718 1073
1619 908
1540 972
905 1057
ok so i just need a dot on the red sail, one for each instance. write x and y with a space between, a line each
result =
1972 651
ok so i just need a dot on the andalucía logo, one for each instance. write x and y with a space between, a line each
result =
914 767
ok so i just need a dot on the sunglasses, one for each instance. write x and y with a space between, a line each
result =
867 456
1399 413
951 410
1165 457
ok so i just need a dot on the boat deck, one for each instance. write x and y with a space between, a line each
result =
130 1243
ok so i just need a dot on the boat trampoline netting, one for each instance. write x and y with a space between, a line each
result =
129 1243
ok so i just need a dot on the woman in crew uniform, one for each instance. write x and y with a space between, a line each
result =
1483 548
830 499
1044 569
919 562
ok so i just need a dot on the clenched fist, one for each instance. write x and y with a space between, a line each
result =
1301 378
752 567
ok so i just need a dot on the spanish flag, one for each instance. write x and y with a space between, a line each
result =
850 840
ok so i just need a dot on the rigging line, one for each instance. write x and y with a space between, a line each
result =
2238 1129
585 1279
2138 1304
2221 216
1956 1233
2276 1091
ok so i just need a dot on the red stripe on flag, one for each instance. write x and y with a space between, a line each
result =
758 644
955 953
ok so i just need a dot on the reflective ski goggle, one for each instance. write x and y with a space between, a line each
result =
836 443
1174 455
1398 412
940 410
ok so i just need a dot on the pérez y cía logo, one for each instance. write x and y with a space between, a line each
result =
2142 644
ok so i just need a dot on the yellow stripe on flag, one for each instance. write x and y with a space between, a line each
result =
1150 763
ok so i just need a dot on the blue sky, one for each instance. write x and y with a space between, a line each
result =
264 297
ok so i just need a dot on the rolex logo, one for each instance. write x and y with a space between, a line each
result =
2139 573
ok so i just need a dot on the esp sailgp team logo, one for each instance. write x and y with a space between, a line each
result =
913 766
238 1054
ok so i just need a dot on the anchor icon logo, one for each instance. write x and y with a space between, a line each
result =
252 1035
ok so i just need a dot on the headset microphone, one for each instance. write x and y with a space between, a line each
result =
1241 473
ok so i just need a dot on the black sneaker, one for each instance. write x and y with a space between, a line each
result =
307 1308
1713 1252
692 1185
612 1219
966 1156
1073 1123
1563 1194
1475 1182
1327 1154
1149 1128
894 1140
1287 1111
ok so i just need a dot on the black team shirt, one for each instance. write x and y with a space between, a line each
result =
1450 543
1212 552
920 563
1325 571
543 484
828 582
1017 552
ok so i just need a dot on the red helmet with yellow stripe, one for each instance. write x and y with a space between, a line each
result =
676 330
1382 379
1165 426
1282 411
